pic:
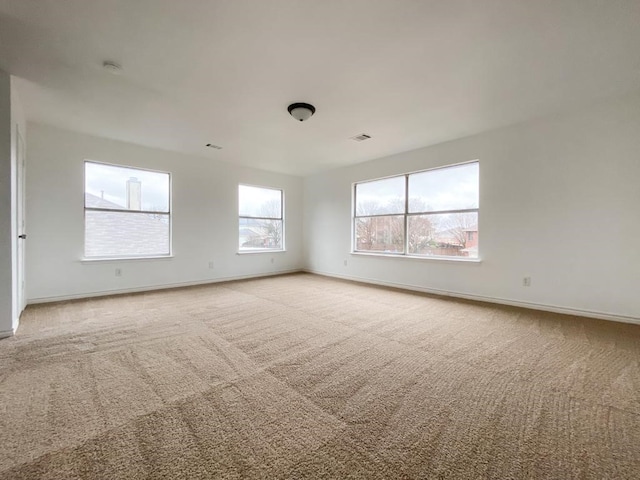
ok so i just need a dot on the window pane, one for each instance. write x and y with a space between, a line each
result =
257 234
109 234
380 234
449 234
260 202
380 197
450 188
108 186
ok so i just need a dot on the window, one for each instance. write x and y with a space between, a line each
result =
380 215
261 226
126 212
429 213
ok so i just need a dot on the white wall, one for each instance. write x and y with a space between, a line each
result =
6 211
204 219
559 202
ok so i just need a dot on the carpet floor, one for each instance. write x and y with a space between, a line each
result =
303 376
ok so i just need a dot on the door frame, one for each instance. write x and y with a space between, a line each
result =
20 221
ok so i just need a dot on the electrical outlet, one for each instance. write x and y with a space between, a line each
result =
211 265
526 282
345 263
118 272
273 260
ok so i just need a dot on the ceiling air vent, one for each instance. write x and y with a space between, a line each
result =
361 138
211 145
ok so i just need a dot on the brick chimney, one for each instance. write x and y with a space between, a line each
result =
134 194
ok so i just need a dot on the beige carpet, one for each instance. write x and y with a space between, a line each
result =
302 376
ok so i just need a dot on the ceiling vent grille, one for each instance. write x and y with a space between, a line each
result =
211 145
361 138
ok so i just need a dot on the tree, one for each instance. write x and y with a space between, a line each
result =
420 230
272 210
458 224
366 225
420 233
378 232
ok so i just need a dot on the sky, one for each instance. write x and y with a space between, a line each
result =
112 180
259 201
449 188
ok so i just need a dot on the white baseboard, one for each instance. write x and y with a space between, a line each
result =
148 288
482 298
6 333
417 288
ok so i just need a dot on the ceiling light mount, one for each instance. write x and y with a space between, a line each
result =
112 67
301 111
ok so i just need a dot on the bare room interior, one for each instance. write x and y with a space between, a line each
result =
376 239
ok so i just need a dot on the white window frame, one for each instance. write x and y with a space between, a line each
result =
281 218
92 258
406 214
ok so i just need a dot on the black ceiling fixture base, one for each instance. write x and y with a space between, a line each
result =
306 106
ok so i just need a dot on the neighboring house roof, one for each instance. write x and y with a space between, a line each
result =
251 232
123 233
93 201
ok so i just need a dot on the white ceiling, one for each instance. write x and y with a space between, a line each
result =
410 73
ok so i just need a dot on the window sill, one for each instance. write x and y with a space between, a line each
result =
122 259
252 252
421 257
